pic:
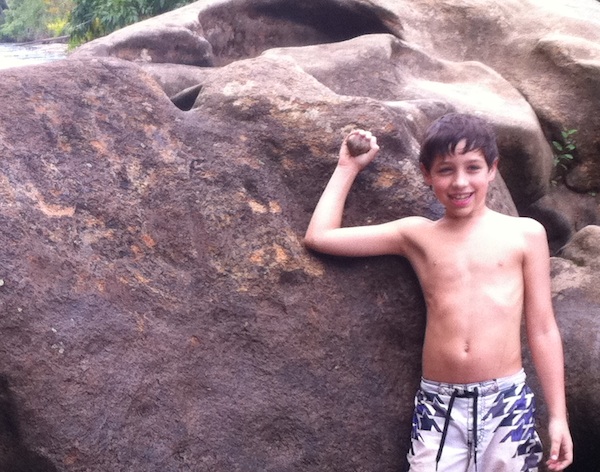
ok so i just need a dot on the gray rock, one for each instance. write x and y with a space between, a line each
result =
575 282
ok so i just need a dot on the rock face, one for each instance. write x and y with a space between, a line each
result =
159 310
575 288
559 59
176 38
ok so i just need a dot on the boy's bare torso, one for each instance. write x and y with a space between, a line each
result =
471 274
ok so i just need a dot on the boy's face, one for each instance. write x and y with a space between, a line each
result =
460 181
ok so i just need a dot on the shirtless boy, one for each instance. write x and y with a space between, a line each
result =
480 272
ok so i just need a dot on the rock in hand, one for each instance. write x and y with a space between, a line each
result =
358 144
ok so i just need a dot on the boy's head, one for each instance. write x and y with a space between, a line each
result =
444 135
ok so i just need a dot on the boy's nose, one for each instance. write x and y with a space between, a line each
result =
460 180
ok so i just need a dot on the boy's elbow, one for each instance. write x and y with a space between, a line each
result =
313 241
309 241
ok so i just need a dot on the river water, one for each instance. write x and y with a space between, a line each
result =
14 55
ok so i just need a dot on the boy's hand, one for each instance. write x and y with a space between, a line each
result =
561 445
358 149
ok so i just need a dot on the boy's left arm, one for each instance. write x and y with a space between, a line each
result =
545 343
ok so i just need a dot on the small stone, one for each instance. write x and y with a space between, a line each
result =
358 144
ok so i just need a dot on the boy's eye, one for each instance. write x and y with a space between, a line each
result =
474 167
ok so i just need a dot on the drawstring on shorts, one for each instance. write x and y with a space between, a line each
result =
456 393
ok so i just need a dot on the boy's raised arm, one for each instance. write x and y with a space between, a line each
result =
324 233
546 345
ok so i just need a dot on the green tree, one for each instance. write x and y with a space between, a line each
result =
34 19
24 20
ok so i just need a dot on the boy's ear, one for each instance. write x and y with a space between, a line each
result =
426 174
493 170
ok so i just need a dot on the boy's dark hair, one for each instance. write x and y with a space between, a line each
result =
444 134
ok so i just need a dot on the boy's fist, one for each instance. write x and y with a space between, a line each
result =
358 143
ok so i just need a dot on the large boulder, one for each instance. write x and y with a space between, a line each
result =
575 283
160 312
174 38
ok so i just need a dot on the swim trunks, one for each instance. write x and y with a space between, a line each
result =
486 426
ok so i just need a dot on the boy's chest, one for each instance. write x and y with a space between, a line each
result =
480 257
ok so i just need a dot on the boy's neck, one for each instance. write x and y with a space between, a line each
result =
459 221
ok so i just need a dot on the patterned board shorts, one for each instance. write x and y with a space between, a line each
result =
486 426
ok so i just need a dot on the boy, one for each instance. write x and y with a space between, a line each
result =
479 271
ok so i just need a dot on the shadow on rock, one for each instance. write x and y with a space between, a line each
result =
254 27
14 455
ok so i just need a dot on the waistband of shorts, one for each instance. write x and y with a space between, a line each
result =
483 388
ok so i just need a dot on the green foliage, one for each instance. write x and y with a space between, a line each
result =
24 20
34 19
83 20
91 19
563 154
563 151
58 26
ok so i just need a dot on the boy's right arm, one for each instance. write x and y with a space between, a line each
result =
325 234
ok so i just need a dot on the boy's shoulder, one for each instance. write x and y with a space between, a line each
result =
409 223
517 223
518 229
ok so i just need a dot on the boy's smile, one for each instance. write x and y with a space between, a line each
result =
460 181
462 199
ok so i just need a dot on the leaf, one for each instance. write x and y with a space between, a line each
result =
557 145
